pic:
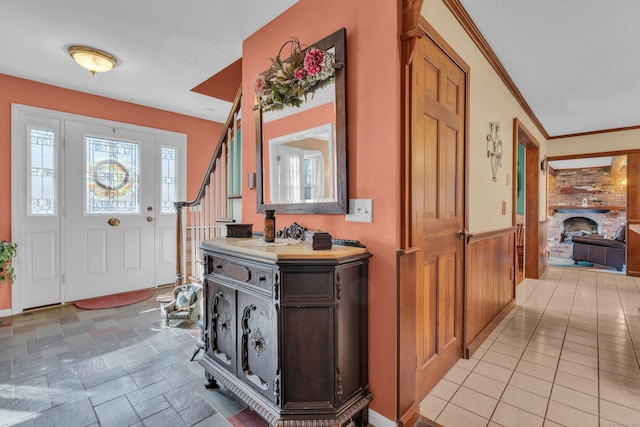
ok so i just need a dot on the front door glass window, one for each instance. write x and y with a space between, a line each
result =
112 176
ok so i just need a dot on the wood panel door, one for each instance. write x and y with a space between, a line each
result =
437 207
633 214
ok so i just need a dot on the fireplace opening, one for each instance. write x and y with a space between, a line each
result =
577 226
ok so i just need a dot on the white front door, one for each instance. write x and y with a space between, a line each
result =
93 216
110 209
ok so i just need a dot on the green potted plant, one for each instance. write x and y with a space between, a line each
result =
8 250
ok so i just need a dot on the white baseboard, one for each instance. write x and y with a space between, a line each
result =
6 312
377 420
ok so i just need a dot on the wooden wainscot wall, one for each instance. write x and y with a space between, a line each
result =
490 285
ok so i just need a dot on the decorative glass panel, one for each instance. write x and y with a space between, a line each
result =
112 181
42 164
168 179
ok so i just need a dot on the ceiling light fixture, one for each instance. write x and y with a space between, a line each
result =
94 60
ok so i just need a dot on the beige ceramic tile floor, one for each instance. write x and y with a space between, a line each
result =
567 355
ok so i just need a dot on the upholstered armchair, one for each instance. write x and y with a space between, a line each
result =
185 304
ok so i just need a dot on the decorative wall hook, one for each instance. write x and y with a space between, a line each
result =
543 165
494 148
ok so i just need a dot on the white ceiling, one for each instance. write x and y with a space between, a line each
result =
164 47
576 62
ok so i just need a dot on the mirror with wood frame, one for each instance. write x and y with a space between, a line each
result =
301 152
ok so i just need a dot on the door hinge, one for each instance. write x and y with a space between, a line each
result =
64 278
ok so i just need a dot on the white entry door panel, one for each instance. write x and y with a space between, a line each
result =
35 177
110 210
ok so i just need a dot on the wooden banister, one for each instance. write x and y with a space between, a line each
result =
202 215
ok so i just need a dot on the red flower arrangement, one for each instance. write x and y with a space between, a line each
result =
288 82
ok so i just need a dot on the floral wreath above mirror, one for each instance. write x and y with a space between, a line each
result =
288 82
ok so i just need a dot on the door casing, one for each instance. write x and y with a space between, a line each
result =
533 267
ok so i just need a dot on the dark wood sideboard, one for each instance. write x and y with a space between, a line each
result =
285 329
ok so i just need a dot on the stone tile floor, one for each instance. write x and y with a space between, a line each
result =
64 366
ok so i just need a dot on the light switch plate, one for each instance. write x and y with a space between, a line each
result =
360 210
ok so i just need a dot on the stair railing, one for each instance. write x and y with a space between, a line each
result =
206 215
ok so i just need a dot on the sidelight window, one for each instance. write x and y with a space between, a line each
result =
43 172
169 182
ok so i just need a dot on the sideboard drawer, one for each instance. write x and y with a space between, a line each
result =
256 275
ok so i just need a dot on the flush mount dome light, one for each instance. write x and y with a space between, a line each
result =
94 60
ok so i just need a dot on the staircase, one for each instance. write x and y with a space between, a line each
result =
208 213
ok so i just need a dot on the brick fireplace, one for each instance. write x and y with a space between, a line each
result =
577 226
585 201
605 223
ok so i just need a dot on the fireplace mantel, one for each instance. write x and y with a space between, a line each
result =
586 209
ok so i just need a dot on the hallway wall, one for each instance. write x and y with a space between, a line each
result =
597 143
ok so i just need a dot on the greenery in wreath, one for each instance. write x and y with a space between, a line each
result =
8 250
289 81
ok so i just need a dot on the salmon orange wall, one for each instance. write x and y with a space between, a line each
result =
202 135
373 120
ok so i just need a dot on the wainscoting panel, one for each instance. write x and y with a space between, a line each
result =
490 284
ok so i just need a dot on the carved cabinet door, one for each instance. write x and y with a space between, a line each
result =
222 325
257 345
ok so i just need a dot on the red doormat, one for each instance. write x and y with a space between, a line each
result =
117 300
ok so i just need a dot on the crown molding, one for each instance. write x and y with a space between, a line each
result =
595 132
